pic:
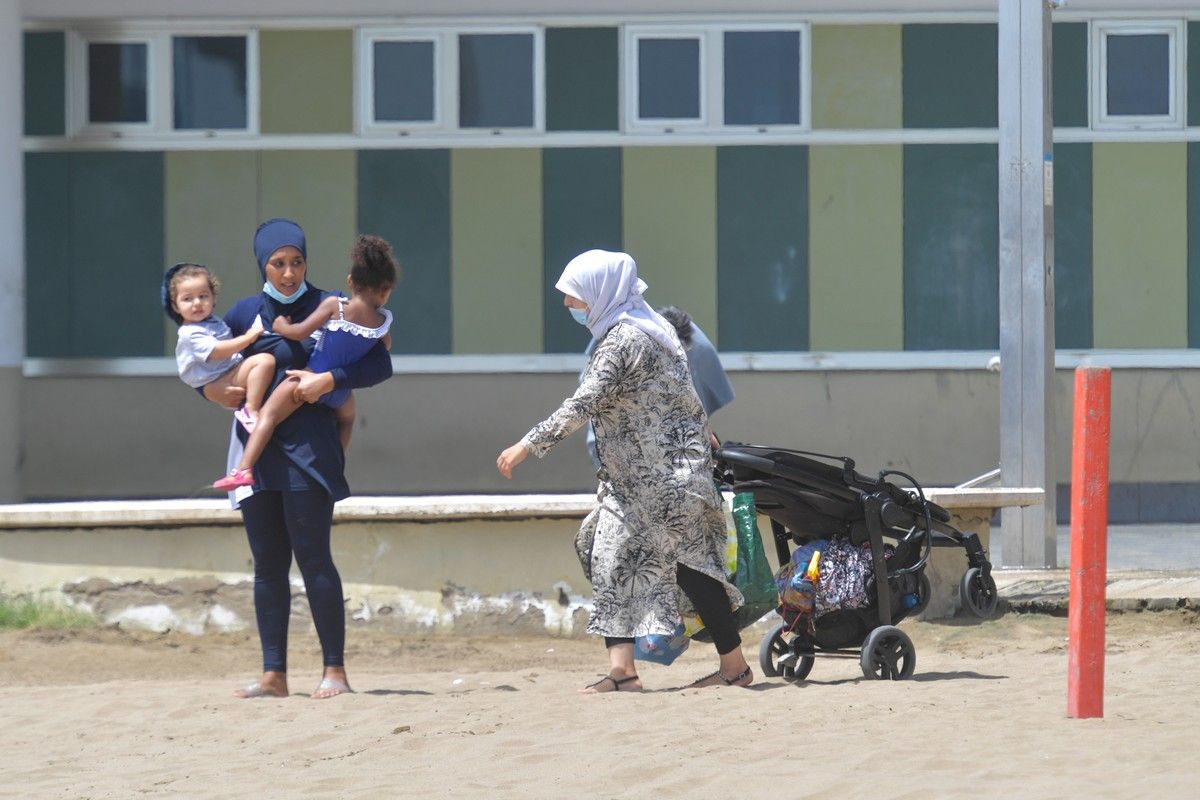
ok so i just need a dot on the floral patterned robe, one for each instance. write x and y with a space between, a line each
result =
657 504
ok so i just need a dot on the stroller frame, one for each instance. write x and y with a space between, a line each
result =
806 499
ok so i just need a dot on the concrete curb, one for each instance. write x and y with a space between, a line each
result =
1047 591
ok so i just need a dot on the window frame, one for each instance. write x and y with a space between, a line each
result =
712 77
160 82
1176 32
445 77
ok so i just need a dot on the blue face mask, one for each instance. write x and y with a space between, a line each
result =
273 293
579 315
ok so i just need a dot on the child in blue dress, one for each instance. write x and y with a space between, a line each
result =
208 356
347 330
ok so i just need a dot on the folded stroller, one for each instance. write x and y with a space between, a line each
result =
893 529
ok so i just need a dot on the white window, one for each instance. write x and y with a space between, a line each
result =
488 80
1137 74
153 83
710 77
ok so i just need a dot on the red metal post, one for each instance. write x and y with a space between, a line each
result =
1089 542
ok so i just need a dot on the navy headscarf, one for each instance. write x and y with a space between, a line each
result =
274 234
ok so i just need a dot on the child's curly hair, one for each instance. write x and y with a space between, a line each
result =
373 264
176 275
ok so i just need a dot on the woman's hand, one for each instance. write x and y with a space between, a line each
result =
310 386
510 458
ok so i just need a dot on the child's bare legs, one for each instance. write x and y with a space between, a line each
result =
345 421
279 406
252 374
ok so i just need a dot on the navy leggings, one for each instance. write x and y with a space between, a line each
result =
712 605
279 524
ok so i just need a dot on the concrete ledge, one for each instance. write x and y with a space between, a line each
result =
1047 591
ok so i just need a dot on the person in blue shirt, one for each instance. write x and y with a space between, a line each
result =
300 474
708 376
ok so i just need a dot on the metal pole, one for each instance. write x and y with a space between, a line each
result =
12 249
1026 278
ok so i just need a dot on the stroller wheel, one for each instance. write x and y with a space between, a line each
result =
888 654
779 659
978 593
924 590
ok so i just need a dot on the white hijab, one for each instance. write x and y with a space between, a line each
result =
609 284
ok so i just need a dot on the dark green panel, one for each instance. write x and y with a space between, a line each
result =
581 79
1193 73
1070 74
115 218
951 247
1073 246
45 84
949 75
47 255
762 248
404 196
1193 242
574 220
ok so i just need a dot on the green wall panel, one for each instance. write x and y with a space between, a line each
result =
48 255
762 248
496 229
319 190
1193 157
1070 89
950 76
1193 73
669 196
951 247
582 74
45 83
856 266
114 215
1140 258
404 196
581 188
211 213
306 81
856 76
1073 246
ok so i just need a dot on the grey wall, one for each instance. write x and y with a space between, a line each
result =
440 433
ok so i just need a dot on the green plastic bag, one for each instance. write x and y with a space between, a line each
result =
753 576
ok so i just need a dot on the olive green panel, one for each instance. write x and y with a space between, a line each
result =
950 75
1193 73
114 219
45 83
48 255
1070 89
856 262
951 247
306 81
856 76
496 250
670 225
1193 157
404 196
576 221
582 72
1140 254
318 189
211 213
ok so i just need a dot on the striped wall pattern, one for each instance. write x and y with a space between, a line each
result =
769 247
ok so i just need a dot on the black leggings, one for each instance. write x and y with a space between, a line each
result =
712 604
279 524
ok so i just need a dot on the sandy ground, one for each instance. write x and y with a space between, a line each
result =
107 714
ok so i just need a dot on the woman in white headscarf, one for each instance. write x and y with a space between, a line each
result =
653 548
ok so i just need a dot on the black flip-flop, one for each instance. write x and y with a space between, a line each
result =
616 683
734 681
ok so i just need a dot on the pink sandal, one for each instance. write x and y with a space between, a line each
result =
245 418
236 478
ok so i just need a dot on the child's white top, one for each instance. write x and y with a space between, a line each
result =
196 341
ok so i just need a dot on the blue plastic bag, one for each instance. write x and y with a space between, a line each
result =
661 648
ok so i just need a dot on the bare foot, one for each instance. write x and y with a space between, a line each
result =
333 683
271 684
743 678
614 683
